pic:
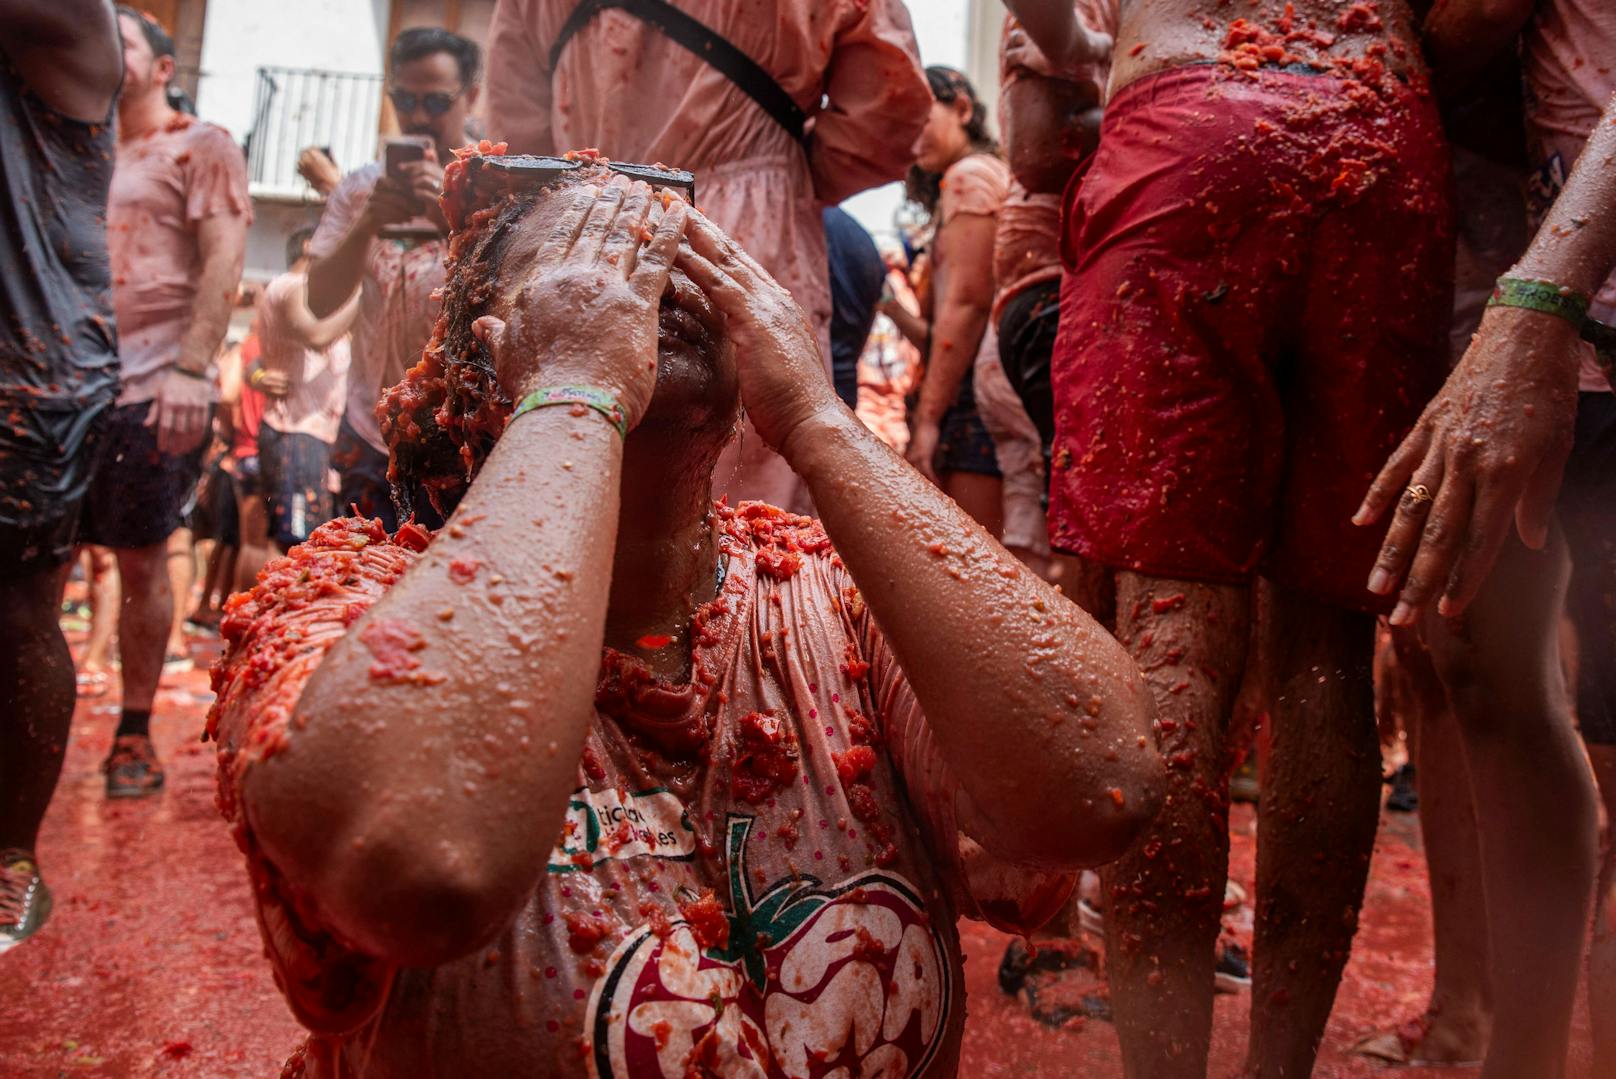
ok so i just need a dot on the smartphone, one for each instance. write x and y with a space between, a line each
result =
399 150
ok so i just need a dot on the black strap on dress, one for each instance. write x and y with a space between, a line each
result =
705 42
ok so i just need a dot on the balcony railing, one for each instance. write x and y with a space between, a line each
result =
298 107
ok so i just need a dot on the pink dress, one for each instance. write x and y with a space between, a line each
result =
1570 63
758 875
621 87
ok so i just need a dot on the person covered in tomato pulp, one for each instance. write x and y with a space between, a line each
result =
606 779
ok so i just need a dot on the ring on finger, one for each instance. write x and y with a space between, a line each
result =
1418 494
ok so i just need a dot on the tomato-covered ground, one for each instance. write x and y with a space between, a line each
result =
151 964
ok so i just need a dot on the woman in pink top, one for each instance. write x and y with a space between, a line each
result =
958 160
605 780
625 87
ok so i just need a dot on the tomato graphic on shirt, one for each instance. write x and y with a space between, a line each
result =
846 981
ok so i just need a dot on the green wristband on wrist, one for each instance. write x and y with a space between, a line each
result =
1542 296
590 397
200 376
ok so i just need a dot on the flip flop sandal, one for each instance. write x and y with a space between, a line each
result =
91 684
1396 1048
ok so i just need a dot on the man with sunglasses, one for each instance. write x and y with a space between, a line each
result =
383 234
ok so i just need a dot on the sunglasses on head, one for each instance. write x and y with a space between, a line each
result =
436 103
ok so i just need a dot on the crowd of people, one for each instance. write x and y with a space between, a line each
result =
654 611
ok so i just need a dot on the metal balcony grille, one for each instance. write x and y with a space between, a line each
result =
298 107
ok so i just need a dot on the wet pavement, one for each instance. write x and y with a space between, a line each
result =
151 964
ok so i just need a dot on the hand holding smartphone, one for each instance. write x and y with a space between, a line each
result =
398 152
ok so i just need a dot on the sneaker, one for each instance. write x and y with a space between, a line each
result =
1405 796
25 901
1233 972
132 768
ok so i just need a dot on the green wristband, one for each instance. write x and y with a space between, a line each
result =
200 376
592 397
1542 296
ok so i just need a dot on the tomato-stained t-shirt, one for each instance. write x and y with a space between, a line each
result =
758 875
398 299
166 183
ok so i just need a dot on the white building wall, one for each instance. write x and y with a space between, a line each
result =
241 36
961 34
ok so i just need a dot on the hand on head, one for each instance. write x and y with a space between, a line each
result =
782 375
586 310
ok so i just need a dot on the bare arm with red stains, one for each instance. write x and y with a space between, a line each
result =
876 104
1040 712
1050 125
336 274
914 328
1462 37
1491 446
964 300
432 753
1064 47
67 51
180 410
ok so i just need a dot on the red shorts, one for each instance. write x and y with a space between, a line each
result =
1260 277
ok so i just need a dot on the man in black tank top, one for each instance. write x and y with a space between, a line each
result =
60 67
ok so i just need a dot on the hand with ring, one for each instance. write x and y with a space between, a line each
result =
1488 449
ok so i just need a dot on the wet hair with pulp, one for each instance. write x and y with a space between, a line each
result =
442 420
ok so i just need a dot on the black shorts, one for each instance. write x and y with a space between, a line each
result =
362 471
1587 510
47 456
963 441
293 468
138 496
216 516
1026 339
